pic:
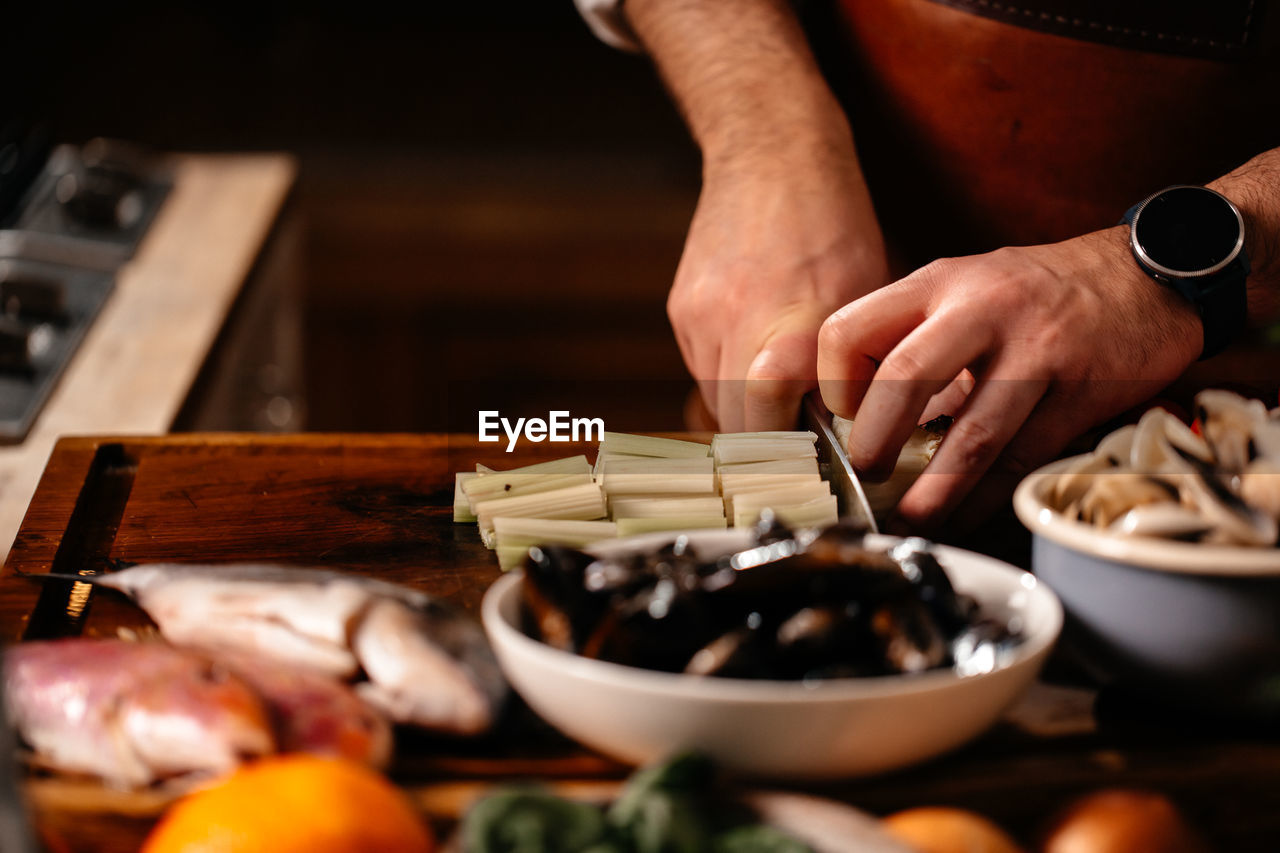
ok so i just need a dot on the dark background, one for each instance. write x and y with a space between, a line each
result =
493 202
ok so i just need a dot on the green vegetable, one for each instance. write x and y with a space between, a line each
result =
522 820
758 839
662 809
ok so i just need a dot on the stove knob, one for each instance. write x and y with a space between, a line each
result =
100 197
21 345
32 297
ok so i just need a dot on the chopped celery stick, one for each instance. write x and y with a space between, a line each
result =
655 465
498 481
773 435
815 513
632 526
734 484
646 507
627 483
511 556
461 506
649 445
795 465
521 484
485 469
785 496
603 456
578 502
544 531
761 449
489 538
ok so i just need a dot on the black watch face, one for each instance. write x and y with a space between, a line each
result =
1187 230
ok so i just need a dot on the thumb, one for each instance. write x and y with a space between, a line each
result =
785 368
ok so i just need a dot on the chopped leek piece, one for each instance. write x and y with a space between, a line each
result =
499 481
511 556
632 526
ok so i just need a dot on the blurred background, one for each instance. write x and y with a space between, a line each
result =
490 203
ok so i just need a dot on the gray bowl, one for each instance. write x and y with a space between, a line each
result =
1198 623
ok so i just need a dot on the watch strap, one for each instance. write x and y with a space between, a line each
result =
1223 306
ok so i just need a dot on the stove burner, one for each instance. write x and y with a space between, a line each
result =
78 219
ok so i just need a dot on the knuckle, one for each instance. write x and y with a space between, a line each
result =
976 443
904 364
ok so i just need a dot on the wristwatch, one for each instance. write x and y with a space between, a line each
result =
1192 239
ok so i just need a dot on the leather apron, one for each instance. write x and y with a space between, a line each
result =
982 124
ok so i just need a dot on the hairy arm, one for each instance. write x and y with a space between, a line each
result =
784 232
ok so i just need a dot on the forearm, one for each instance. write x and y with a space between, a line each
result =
1255 189
743 76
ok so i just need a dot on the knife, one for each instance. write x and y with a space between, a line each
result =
834 464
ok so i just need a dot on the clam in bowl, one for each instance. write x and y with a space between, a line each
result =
1162 546
1199 623
820 729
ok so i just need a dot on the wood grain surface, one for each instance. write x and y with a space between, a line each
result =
382 505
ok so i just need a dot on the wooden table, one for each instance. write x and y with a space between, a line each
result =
382 505
142 355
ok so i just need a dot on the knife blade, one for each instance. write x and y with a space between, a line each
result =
835 466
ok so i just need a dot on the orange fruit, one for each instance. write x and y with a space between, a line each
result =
937 829
291 804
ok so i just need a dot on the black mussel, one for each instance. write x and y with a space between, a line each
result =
659 627
814 606
910 639
556 600
982 646
919 565
740 653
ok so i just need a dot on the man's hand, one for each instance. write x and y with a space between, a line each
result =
1059 338
774 248
784 232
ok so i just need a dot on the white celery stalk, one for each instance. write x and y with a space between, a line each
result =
524 532
632 526
461 506
576 502
785 496
815 513
651 445
647 507
732 485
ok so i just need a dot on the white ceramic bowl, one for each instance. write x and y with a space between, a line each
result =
836 728
1197 622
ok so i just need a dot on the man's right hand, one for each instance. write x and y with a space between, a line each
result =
784 232
780 239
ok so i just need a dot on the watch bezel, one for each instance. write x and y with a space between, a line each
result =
1156 267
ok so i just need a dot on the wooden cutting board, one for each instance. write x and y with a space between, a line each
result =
382 506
